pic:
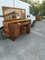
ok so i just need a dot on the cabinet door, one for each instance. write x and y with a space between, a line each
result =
23 29
14 30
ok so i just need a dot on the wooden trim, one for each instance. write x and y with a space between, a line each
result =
3 7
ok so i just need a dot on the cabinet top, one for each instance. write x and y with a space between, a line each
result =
22 20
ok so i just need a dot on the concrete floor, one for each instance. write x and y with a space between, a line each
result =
27 47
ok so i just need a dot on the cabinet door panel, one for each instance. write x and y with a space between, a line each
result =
14 29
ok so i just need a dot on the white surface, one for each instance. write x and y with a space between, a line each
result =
5 3
8 3
23 5
1 22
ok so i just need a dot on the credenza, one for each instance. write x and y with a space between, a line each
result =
13 29
15 22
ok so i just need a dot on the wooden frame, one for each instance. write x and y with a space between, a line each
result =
9 11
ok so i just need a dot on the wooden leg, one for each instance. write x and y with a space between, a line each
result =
12 38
